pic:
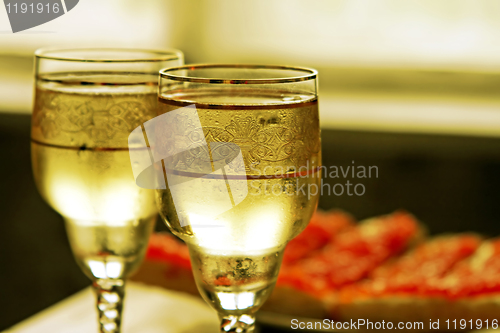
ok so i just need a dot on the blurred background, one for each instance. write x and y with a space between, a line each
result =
412 87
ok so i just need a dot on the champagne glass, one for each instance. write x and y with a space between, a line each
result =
239 148
87 101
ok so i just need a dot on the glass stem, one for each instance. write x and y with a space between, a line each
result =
238 324
110 294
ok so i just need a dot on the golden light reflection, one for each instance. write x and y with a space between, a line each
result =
113 205
223 234
236 301
70 199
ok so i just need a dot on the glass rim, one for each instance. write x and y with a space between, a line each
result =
309 74
157 55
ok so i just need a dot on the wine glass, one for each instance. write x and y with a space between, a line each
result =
239 149
87 101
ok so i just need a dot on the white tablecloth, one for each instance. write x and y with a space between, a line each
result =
147 310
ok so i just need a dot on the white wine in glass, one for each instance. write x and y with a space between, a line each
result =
243 178
87 101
